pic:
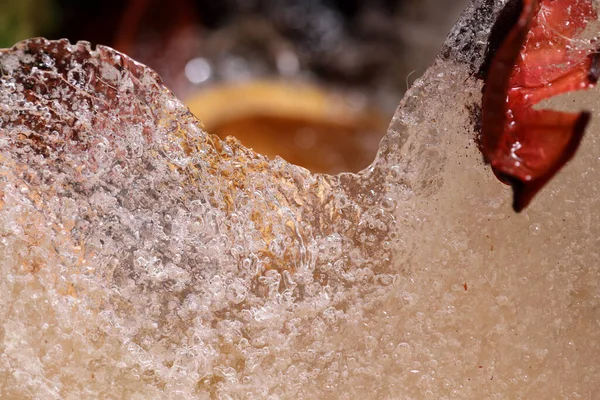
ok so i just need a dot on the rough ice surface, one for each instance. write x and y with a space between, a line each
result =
142 258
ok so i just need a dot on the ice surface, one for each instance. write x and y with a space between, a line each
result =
141 258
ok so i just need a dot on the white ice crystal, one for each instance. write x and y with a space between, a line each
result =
142 258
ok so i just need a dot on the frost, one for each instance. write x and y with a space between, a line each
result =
143 258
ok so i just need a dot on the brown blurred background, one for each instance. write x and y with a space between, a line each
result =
313 81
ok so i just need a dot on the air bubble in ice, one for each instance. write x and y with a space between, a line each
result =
535 229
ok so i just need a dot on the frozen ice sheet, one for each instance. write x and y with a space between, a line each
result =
143 258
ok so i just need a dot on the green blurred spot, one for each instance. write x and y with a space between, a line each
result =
22 19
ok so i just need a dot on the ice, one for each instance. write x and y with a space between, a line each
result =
143 258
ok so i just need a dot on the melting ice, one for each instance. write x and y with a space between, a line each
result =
143 258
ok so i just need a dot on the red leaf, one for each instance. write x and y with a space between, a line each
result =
536 60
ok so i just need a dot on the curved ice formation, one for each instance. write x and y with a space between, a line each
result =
143 258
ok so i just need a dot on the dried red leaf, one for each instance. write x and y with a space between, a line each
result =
535 61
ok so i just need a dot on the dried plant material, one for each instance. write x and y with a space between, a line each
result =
538 59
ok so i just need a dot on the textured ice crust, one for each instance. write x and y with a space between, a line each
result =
142 258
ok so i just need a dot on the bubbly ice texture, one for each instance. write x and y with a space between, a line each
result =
142 258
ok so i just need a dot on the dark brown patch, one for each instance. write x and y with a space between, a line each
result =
507 18
474 110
